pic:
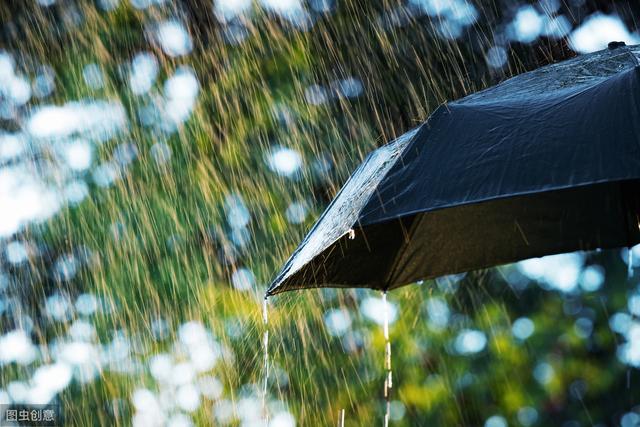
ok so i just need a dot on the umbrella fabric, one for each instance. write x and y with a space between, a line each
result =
543 163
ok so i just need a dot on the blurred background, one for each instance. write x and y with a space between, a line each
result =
160 159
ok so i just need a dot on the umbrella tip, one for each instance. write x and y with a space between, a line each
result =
615 45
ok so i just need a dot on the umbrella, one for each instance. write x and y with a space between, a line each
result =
543 163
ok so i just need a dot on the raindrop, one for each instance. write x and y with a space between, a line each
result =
470 341
449 284
182 373
572 306
527 416
238 215
556 27
188 398
53 378
322 6
180 420
16 252
291 10
160 367
192 333
526 25
66 267
375 308
282 419
240 236
620 323
235 33
316 95
86 304
5 399
210 387
75 192
227 10
629 352
496 57
633 304
77 353
81 330
143 4
144 70
125 153
449 29
93 77
108 5
97 119
224 412
58 307
105 174
630 419
159 328
18 391
77 154
560 272
462 12
296 213
523 328
19 90
496 421
160 152
352 342
597 31
144 399
397 410
583 327
174 39
11 146
337 321
432 7
438 313
6 65
16 346
205 355
592 278
349 87
44 83
284 161
578 389
322 166
549 6
543 373
181 91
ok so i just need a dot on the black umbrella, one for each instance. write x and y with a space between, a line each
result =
543 163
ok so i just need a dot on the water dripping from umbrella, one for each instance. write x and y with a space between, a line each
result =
388 380
265 349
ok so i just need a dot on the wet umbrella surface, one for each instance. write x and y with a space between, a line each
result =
543 163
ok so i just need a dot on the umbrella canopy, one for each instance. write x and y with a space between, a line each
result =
543 163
